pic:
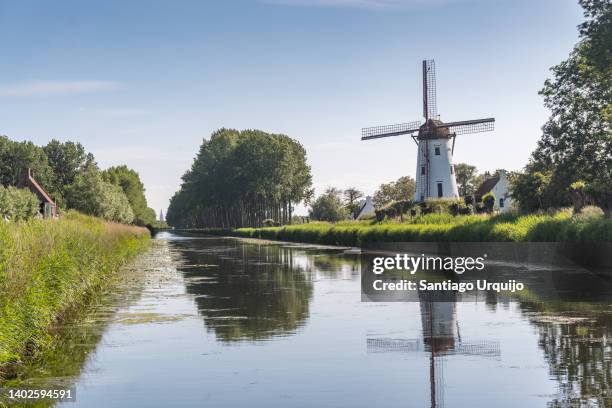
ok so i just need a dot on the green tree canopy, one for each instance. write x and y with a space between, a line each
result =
132 186
15 157
401 189
92 195
66 161
467 178
576 143
240 178
328 207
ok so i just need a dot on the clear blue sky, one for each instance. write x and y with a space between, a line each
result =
142 82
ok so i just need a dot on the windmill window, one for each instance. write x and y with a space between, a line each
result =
437 150
422 169
501 203
439 189
452 169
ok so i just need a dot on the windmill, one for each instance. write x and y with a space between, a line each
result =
435 170
441 339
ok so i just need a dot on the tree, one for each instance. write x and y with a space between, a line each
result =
328 207
130 183
576 142
15 157
240 178
531 189
66 161
467 178
91 195
351 195
399 190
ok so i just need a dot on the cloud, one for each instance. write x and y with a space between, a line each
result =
55 88
378 4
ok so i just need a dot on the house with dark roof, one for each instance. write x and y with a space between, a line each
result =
48 208
499 186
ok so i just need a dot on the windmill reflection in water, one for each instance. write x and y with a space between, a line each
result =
441 337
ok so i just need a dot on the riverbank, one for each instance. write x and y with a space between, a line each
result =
49 268
558 227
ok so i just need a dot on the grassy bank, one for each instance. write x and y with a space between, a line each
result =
562 226
50 267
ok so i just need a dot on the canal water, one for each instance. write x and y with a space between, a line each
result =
220 322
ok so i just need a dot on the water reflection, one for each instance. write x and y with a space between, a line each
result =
247 292
441 337
296 325
576 340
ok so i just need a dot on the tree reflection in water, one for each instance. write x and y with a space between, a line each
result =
248 291
578 350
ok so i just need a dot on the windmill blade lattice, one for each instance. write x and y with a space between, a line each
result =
430 103
470 126
376 132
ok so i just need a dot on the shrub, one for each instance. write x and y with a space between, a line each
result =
91 195
488 200
268 222
328 207
18 204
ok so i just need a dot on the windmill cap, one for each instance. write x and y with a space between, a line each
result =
431 130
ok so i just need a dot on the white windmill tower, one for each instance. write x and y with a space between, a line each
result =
435 176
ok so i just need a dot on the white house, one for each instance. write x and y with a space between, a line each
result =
366 208
499 186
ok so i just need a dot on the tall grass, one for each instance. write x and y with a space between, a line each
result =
561 226
48 267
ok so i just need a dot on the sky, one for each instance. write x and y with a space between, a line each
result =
142 83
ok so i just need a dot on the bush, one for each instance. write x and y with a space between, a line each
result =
18 204
328 207
91 195
488 200
268 222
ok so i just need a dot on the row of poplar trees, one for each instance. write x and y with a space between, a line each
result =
240 179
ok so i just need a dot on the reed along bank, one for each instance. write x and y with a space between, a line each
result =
49 268
559 227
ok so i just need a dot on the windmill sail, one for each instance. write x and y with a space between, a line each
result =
470 126
430 108
389 130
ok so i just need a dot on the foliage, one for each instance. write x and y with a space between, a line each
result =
15 157
269 222
600 193
399 190
130 183
17 204
66 161
92 195
467 178
488 200
328 207
240 178
576 143
351 197
63 169
531 189
39 282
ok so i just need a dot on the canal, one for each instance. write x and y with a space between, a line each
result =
220 322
